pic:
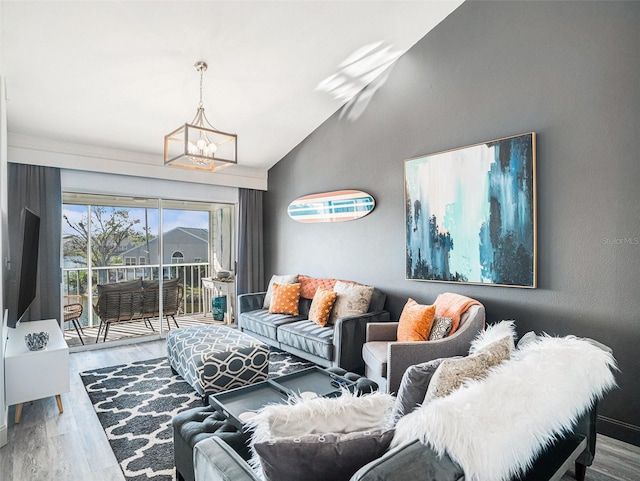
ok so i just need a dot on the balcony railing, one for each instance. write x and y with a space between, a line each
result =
75 282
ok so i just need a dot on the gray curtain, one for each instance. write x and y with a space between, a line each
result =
37 188
250 270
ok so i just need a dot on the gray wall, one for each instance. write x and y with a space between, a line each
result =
568 71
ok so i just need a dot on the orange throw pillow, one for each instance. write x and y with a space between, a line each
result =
321 306
416 321
285 299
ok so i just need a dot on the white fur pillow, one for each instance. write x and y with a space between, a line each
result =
345 414
493 333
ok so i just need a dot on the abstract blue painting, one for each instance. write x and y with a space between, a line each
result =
471 214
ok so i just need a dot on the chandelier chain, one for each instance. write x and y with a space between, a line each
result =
201 75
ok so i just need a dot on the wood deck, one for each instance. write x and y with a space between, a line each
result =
131 330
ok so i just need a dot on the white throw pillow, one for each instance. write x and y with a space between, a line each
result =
285 279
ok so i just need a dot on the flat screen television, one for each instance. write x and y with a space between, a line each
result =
28 268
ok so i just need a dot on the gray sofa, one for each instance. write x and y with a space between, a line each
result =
567 435
337 345
215 460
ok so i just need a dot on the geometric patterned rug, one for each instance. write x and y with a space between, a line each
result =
136 402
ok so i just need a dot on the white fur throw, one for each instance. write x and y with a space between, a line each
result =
493 333
495 428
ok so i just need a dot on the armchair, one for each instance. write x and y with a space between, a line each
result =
386 359
72 309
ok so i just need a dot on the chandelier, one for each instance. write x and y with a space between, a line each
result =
199 145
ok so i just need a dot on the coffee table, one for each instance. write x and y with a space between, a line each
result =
238 404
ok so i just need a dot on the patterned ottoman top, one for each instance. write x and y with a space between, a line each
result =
211 338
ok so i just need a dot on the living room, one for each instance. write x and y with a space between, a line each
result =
567 71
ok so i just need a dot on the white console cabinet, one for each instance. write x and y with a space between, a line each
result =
31 375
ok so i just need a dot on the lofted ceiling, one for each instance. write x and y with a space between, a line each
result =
119 74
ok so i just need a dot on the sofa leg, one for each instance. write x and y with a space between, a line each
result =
581 471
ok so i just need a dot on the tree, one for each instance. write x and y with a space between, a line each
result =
109 229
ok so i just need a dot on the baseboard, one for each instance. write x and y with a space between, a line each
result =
4 429
619 430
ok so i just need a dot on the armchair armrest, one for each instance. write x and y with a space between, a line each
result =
348 337
251 302
72 311
401 355
382 331
215 460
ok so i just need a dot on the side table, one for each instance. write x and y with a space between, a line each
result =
219 287
31 375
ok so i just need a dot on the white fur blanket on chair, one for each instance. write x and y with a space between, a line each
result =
494 428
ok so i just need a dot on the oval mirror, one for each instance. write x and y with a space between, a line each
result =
336 206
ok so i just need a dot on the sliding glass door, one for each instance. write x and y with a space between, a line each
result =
113 242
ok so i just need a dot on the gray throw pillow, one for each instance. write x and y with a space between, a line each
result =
285 279
441 328
414 385
321 457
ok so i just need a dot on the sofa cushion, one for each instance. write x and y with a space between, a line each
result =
155 283
415 322
285 299
353 299
308 337
132 285
374 354
264 323
285 279
321 306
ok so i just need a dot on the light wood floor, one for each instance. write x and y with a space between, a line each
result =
72 446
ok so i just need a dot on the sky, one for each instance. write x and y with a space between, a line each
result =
172 218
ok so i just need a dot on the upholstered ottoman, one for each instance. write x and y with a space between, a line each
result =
194 425
216 358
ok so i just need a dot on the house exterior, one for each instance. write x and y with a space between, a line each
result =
181 245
